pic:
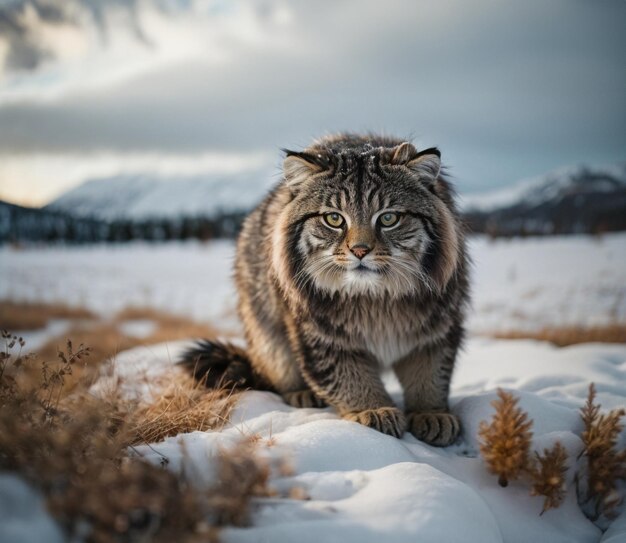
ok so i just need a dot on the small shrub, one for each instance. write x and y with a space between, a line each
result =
505 442
605 465
548 476
505 446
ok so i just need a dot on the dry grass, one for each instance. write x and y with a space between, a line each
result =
564 336
106 339
74 450
33 316
183 405
104 336
169 327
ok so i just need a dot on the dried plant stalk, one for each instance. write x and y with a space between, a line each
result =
549 476
605 464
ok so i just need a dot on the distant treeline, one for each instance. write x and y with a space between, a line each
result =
598 214
22 225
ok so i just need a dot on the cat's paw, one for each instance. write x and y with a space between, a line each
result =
303 398
437 429
388 420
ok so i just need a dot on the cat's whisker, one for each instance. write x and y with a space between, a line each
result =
313 269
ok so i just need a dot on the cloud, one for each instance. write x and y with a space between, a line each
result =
507 90
49 48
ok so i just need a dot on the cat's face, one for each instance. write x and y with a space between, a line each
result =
368 222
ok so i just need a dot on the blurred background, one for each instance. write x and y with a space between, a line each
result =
136 134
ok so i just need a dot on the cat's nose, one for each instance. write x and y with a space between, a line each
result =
360 250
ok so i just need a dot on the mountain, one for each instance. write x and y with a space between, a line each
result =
126 207
569 200
147 197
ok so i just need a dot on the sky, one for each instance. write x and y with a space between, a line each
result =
506 90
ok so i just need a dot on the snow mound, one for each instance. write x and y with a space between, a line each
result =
363 486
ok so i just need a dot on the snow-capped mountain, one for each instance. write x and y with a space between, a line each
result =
550 187
569 200
123 207
146 197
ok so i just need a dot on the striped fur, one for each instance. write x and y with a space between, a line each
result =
321 323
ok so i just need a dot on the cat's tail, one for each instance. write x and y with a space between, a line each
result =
217 364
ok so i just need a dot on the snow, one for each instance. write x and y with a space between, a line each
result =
364 486
36 339
361 515
361 485
138 328
190 279
23 518
617 531
526 284
518 284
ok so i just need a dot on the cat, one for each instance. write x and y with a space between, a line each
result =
353 264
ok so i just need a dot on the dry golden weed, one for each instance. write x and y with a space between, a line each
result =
104 336
605 465
505 445
74 449
183 405
564 336
33 316
241 476
506 441
548 476
106 339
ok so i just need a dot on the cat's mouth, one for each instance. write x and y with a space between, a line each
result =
362 268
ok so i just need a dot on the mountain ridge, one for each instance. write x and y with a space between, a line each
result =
538 189
578 199
145 197
575 199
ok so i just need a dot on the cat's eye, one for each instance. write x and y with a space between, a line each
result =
388 219
334 219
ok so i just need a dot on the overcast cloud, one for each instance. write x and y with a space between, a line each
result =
506 89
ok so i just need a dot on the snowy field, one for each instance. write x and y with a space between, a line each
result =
517 285
360 485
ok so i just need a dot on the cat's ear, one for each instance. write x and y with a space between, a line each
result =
425 163
299 166
403 153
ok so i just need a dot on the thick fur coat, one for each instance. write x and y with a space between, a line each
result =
355 263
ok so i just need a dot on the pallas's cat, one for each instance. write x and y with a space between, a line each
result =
353 264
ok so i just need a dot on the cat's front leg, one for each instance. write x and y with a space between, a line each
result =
349 381
425 377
